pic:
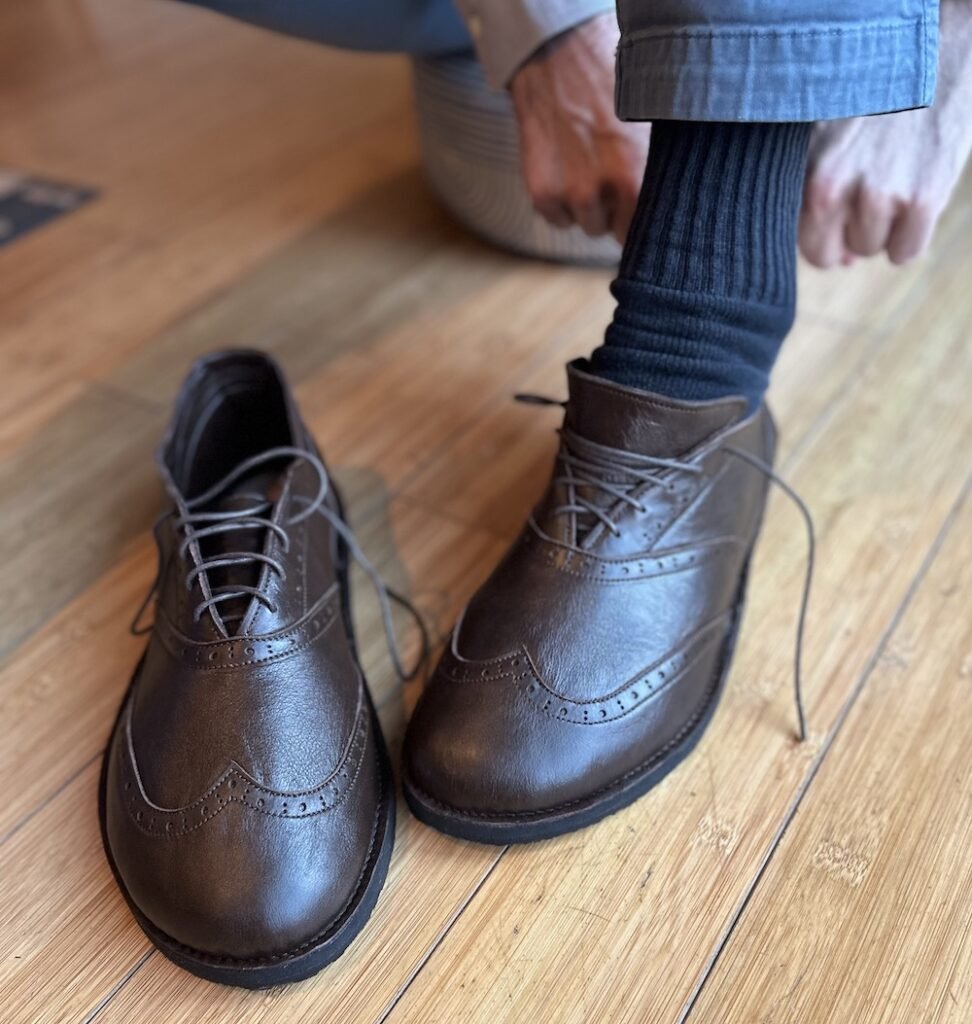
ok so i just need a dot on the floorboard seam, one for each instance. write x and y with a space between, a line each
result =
119 985
847 707
439 939
53 795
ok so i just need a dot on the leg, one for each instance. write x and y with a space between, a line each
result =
591 661
707 286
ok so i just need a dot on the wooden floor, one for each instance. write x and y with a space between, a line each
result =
259 191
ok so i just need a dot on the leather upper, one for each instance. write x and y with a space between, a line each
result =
243 789
597 642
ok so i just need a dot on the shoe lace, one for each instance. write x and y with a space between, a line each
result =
618 473
198 523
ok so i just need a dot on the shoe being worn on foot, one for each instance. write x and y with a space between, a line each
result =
590 663
246 800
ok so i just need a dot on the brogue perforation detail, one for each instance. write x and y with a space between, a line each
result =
236 786
223 654
583 564
520 669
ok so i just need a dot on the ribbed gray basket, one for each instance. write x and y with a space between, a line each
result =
471 153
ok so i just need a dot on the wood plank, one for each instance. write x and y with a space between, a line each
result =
865 907
74 496
310 232
384 259
111 489
80 296
626 915
82 329
860 297
62 956
50 970
171 985
59 691
490 474
57 697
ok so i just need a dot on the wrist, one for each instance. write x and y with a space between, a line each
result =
508 35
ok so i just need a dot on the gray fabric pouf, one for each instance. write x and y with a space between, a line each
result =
469 145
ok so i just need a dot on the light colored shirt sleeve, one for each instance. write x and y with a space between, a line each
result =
507 32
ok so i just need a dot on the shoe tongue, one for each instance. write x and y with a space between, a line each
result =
639 421
263 484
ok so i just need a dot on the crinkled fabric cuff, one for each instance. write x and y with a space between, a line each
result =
777 73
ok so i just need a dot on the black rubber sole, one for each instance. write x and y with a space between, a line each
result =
313 956
519 827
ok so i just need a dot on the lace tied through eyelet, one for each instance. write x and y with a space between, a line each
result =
610 471
197 524
617 473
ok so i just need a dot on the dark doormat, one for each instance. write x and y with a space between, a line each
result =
27 203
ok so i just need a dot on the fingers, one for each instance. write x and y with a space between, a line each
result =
880 222
589 209
598 194
839 223
552 210
605 203
911 232
825 212
597 209
870 218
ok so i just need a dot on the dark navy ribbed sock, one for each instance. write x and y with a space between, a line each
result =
706 290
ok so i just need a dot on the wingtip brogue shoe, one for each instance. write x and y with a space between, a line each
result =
247 803
590 662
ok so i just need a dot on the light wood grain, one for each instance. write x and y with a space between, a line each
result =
239 206
622 920
166 109
865 909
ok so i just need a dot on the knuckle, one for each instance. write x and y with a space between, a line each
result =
874 203
581 195
817 255
823 194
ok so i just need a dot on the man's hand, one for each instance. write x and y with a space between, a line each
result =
580 163
881 183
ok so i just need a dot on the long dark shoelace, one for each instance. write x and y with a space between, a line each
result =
618 473
199 523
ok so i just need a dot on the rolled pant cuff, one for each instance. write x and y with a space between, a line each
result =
778 73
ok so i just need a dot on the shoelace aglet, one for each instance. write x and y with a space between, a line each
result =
528 398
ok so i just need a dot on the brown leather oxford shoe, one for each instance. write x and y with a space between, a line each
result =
247 803
591 661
